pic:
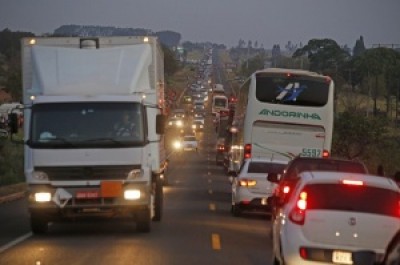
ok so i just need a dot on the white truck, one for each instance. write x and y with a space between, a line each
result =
76 92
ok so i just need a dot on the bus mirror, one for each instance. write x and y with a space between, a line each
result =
13 122
160 124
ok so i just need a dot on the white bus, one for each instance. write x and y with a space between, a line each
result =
284 113
219 102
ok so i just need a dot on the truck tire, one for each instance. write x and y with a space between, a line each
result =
39 225
158 199
143 223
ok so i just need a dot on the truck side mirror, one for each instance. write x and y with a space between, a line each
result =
160 123
13 123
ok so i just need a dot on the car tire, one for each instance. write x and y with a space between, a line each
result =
236 210
39 224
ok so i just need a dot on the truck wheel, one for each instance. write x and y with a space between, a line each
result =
38 224
143 224
158 200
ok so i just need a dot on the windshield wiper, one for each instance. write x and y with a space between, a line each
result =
103 139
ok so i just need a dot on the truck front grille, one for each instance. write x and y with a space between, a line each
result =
88 172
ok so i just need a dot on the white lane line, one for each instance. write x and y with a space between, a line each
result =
15 242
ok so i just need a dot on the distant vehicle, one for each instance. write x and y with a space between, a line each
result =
197 125
219 102
178 113
175 122
251 189
189 143
286 113
220 150
218 89
289 179
330 215
199 119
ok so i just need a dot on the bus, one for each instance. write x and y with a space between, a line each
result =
284 113
219 102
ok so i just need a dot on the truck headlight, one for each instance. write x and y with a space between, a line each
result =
42 196
134 174
40 175
132 194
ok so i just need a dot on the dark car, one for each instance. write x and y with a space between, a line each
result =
288 180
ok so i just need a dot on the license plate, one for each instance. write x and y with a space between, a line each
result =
342 257
87 195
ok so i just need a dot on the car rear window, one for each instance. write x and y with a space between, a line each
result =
353 198
190 138
262 167
324 165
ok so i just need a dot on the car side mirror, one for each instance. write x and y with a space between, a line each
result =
273 177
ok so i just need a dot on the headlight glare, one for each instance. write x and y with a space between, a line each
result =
42 196
132 194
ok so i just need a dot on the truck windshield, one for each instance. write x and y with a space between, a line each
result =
87 125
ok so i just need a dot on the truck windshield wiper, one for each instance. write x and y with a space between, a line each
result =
103 139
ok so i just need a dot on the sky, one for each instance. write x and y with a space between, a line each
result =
268 22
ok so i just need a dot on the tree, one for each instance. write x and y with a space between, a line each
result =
170 62
359 47
355 133
252 65
325 55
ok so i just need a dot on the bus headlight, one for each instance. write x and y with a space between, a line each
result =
42 196
132 194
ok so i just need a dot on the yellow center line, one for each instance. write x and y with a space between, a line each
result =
216 242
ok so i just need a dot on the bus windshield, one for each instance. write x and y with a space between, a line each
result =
292 90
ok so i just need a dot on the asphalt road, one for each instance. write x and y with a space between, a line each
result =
197 226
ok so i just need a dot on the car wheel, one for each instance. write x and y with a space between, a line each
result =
39 225
236 210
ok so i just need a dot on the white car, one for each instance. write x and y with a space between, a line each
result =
331 215
250 188
189 143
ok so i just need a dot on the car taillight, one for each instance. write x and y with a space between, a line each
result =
353 182
286 189
247 151
303 253
247 183
221 147
325 154
298 214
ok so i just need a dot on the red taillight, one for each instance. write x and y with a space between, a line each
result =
247 151
303 252
286 189
221 147
325 154
298 213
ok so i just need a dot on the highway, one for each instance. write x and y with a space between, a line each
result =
197 226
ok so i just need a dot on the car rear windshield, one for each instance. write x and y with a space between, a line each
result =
262 167
324 165
190 138
353 198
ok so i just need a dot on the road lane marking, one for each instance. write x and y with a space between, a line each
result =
212 206
210 191
209 181
15 242
215 242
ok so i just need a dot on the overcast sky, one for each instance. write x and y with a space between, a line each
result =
221 21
